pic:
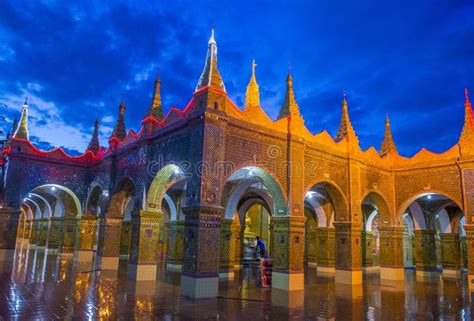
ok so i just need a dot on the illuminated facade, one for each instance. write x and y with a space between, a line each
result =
181 188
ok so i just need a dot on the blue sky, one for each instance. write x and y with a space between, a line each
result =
411 59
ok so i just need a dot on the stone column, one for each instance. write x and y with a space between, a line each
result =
451 254
20 229
238 248
348 252
391 253
368 245
85 233
163 242
143 246
311 245
200 277
109 242
35 229
326 256
8 230
288 252
69 235
470 254
425 248
125 238
43 232
176 244
55 233
28 225
229 232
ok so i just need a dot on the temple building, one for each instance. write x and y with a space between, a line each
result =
192 189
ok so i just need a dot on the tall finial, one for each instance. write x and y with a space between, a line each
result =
94 144
156 109
210 75
22 129
466 140
388 145
252 96
120 129
346 131
466 93
290 106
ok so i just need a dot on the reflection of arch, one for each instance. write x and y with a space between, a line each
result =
405 204
164 179
247 177
335 196
380 204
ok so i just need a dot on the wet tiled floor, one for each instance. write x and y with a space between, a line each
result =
43 286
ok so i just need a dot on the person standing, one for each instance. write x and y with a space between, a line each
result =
261 247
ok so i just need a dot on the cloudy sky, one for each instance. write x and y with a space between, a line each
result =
411 59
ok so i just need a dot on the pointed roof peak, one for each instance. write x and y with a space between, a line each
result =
94 144
252 96
290 106
21 130
388 145
466 94
210 76
467 134
156 109
120 129
346 131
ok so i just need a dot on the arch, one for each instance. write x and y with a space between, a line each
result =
172 207
243 209
246 177
444 221
37 212
333 193
164 179
370 219
120 198
55 190
94 201
47 206
405 204
380 203
419 222
318 211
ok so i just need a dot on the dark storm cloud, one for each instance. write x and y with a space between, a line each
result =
410 59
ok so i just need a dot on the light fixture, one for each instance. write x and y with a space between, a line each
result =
177 170
429 196
53 188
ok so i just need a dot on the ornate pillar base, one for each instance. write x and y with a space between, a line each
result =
109 243
348 253
199 286
288 281
392 273
109 262
451 254
451 273
425 247
391 253
326 251
8 233
175 246
145 230
142 272
288 252
229 231
85 234
200 277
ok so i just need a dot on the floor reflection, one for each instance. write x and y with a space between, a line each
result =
42 285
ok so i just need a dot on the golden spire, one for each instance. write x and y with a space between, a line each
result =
156 109
94 144
22 129
252 96
345 127
467 134
388 145
210 75
290 106
120 129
